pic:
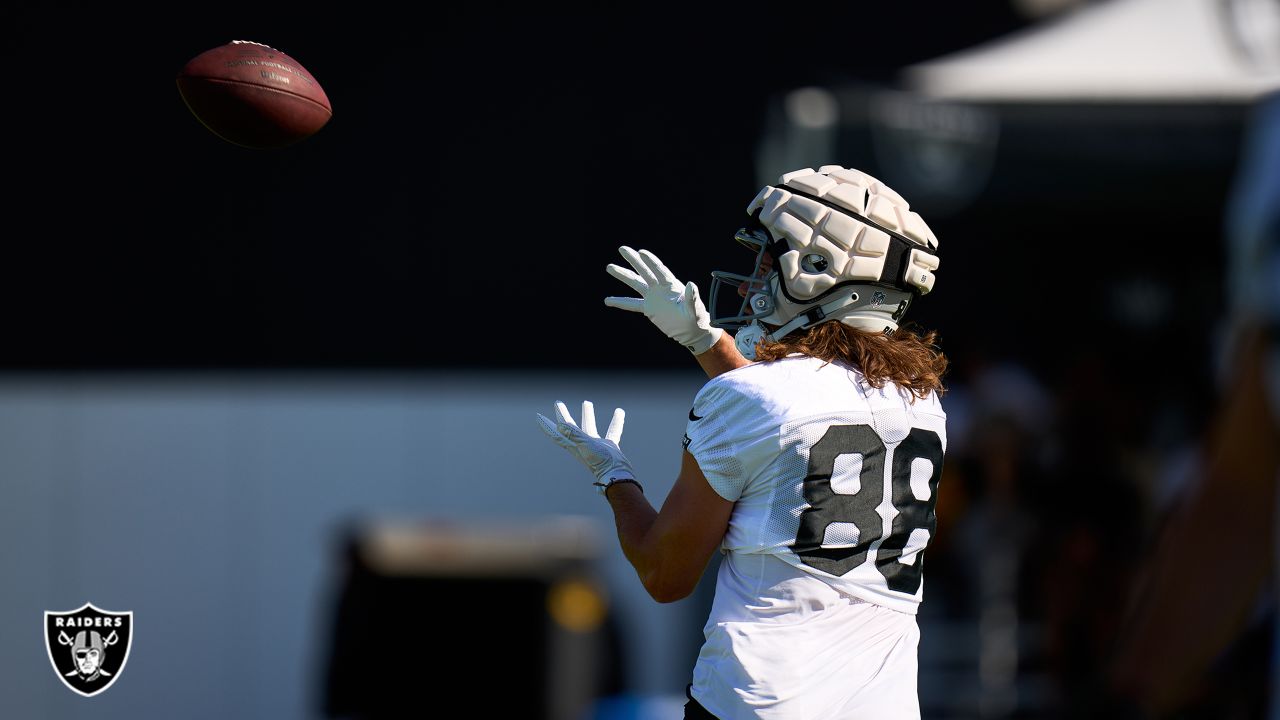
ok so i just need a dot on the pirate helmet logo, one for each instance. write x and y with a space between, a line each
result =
88 647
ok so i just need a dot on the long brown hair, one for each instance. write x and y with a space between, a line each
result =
908 358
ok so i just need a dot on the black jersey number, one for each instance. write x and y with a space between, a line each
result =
860 508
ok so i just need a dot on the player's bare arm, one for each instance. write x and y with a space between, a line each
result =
721 358
670 548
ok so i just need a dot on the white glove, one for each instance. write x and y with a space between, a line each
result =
675 308
602 456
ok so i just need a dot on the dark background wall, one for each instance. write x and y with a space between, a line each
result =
480 170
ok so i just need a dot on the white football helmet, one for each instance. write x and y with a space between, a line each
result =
835 244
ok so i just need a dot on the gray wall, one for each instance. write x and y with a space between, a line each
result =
209 505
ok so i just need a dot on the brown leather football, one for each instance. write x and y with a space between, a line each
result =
253 95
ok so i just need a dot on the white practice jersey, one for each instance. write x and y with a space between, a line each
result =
828 474
834 484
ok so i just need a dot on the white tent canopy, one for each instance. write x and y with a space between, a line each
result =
1120 51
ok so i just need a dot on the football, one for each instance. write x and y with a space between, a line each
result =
253 95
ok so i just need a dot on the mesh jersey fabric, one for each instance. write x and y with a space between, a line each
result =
809 620
754 438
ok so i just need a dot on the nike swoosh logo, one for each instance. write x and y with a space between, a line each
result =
693 417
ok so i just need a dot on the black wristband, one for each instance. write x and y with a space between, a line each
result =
604 487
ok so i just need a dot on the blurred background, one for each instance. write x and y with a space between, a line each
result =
280 404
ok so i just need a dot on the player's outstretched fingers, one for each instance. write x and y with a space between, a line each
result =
614 433
691 294
549 427
562 414
660 272
625 303
633 281
589 419
638 262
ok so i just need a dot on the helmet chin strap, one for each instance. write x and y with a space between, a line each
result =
748 337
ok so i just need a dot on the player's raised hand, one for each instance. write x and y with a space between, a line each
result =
601 455
673 306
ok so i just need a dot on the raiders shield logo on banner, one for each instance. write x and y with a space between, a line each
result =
88 647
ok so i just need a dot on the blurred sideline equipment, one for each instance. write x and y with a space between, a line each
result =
1219 547
510 620
253 95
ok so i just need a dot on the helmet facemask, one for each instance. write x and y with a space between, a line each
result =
756 289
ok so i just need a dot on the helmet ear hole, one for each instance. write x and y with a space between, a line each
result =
814 263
